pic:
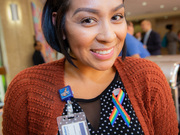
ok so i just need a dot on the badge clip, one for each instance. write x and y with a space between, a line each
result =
66 94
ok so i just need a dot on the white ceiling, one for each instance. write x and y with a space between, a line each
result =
135 10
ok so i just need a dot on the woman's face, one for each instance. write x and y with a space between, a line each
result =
95 30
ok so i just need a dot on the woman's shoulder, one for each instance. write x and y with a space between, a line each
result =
136 64
47 67
42 69
143 73
139 69
36 79
46 73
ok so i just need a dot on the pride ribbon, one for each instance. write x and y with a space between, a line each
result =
119 109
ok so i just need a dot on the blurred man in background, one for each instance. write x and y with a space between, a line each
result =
138 36
151 39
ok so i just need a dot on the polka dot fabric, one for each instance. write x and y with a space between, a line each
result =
107 106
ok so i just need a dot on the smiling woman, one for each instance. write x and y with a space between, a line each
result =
110 94
95 36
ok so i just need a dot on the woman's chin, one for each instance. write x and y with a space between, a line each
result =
103 66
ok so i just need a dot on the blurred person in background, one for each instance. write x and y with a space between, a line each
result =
138 36
151 38
134 47
172 39
37 56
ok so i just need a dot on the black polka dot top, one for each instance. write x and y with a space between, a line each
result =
99 109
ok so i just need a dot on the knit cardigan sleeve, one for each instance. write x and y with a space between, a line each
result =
150 95
161 107
15 108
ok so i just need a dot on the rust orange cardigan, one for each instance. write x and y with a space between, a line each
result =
32 102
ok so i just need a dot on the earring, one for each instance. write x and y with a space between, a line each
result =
64 37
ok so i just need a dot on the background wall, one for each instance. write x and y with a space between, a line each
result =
162 22
18 36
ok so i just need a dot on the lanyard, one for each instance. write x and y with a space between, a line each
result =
72 122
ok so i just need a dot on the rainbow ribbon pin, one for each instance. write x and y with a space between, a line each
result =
119 109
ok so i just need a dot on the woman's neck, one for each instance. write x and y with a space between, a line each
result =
86 72
87 82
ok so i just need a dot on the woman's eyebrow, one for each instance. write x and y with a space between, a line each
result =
95 11
118 7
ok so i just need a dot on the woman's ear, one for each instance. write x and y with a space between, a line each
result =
54 15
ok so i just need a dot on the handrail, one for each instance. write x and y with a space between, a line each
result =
174 88
165 58
173 80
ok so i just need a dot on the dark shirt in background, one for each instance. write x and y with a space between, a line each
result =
38 58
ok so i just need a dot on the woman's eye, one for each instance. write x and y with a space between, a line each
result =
88 21
117 17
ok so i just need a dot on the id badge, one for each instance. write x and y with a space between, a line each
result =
75 125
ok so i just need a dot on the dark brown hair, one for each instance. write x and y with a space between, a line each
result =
169 26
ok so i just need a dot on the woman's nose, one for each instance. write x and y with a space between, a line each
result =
106 33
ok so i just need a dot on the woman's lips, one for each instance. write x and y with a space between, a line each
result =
103 54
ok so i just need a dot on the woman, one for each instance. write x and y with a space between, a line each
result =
172 39
90 34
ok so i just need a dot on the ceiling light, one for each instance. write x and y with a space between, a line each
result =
161 6
175 8
144 3
14 12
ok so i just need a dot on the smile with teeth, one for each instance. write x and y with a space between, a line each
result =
101 52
